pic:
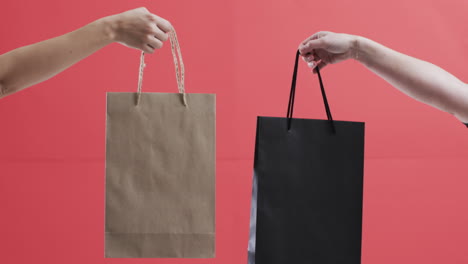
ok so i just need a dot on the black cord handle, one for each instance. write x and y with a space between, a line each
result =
292 95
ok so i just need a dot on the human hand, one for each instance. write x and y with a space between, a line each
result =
139 29
325 48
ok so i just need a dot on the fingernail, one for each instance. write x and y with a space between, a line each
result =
312 64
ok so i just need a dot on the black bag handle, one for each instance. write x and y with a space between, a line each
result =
292 95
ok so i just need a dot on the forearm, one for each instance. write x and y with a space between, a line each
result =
26 66
421 80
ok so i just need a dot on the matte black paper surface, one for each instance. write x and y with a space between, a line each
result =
309 184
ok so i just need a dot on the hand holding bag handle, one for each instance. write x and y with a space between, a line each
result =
179 68
292 95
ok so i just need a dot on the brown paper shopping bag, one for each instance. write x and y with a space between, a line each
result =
160 172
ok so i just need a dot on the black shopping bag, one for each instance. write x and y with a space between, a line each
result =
307 189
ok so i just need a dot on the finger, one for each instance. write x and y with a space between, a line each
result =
308 58
311 45
143 9
154 42
162 24
312 64
320 66
147 49
159 34
316 35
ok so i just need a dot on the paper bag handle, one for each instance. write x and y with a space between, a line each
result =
178 63
292 95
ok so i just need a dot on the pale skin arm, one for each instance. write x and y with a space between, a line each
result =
29 65
416 78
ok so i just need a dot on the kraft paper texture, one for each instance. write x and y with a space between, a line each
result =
160 176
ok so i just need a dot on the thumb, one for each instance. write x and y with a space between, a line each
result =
310 45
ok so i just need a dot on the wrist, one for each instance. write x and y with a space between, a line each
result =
109 26
360 52
355 47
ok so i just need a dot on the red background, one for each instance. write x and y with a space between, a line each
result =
52 135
